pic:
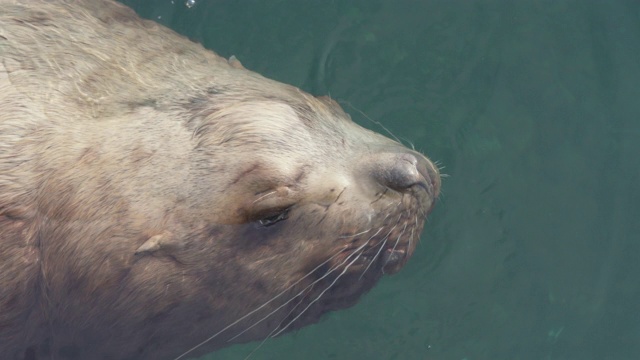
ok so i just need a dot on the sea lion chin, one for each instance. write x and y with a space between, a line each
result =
158 201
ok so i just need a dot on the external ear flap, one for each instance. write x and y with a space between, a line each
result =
333 106
328 101
235 63
165 241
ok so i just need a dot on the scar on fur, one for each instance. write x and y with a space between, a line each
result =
165 240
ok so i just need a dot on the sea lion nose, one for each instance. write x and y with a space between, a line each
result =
402 171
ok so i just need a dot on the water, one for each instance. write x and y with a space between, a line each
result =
533 107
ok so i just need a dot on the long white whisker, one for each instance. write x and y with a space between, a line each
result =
360 233
411 236
271 334
382 244
255 310
319 296
384 241
376 122
301 292
267 337
356 251
394 246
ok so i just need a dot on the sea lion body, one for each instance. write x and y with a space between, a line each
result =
153 194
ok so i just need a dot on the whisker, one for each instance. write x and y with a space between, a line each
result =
410 143
272 331
360 233
348 260
422 212
374 121
255 310
396 245
411 236
384 241
319 296
382 244
302 291
385 238
272 335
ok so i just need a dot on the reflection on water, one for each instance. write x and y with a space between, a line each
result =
532 108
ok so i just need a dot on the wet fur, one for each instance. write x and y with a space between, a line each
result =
134 168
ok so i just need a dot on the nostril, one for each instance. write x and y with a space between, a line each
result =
399 172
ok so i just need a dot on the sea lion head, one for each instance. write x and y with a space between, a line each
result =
306 209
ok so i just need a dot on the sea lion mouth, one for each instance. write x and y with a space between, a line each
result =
391 260
392 257
384 258
383 252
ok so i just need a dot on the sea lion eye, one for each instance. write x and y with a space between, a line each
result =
272 219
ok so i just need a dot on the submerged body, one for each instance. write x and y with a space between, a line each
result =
154 195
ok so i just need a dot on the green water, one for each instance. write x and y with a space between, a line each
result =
533 107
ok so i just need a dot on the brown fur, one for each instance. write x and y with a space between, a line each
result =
136 173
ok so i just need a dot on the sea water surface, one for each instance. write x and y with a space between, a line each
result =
532 107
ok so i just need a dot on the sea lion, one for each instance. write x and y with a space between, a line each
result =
158 201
